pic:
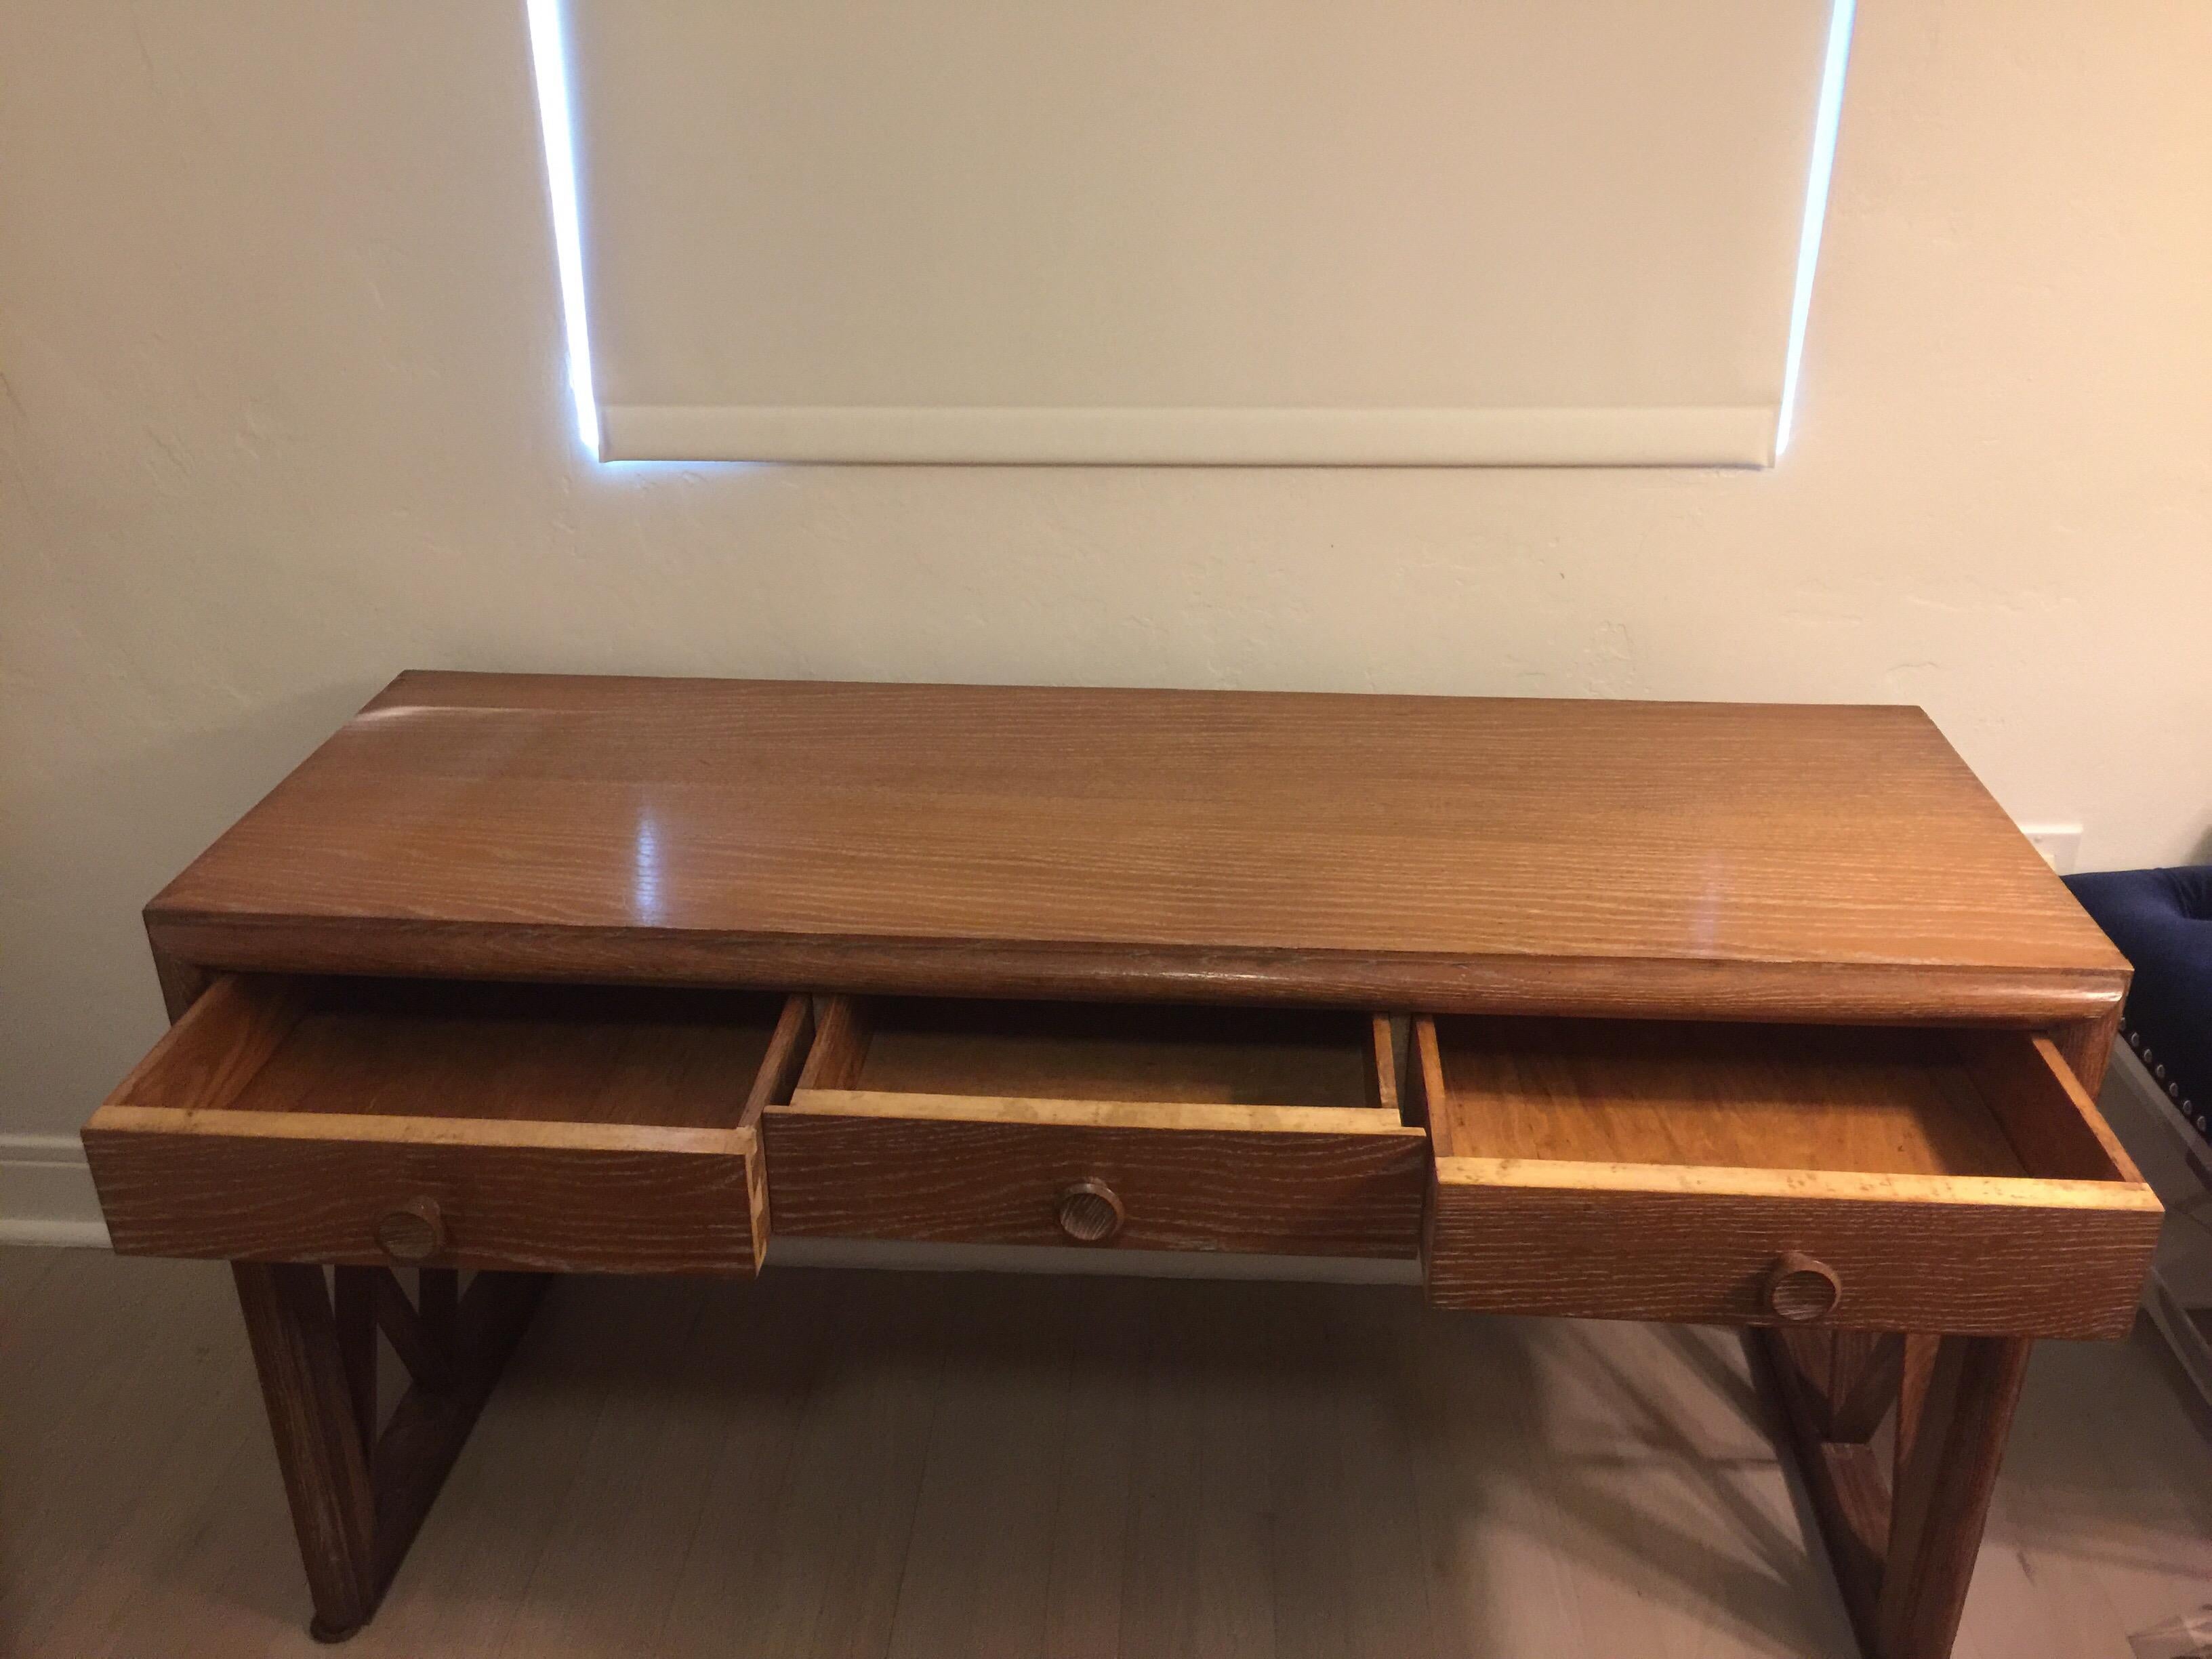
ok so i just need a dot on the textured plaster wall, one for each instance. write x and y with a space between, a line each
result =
284 413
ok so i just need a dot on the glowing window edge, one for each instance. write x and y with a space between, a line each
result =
549 58
549 61
1827 115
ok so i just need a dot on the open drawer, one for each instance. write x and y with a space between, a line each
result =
451 1124
1275 1131
1956 1180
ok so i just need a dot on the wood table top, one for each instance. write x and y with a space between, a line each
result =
1446 854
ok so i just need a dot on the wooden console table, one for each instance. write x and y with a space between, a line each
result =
1763 1017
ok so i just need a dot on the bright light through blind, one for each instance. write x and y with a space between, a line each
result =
1244 231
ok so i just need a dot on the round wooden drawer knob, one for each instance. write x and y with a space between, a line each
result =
414 1232
1801 1289
1090 1213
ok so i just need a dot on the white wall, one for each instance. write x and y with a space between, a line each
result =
284 413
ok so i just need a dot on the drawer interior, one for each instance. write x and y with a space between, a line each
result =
1124 1052
1871 1100
644 1056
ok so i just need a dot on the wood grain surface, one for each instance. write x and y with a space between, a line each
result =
1229 1129
1659 1173
1109 1051
1286 1192
584 1053
1943 1492
297 1354
1817 863
2044 1110
575 1128
1767 1097
1704 1258
264 1198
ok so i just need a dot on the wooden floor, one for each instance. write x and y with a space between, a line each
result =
901 1464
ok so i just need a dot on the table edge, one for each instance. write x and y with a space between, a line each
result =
1659 988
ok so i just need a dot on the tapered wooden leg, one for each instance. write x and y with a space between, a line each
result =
358 1496
1943 1489
1903 1552
1913 1374
318 1445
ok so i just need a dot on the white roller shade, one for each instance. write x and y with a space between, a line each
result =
1401 231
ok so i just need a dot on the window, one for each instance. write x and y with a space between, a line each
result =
1188 231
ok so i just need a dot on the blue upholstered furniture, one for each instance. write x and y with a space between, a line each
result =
2161 921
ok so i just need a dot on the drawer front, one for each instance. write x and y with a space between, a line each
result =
1127 1128
2007 1207
464 1201
1520 1243
450 1125
1172 1177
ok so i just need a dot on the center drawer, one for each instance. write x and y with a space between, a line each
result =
1132 1126
1887 1179
447 1123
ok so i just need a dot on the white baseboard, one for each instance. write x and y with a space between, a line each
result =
46 1193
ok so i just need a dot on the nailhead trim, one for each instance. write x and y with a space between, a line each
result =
2201 1122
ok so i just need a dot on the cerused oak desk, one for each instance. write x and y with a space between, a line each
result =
1755 1016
